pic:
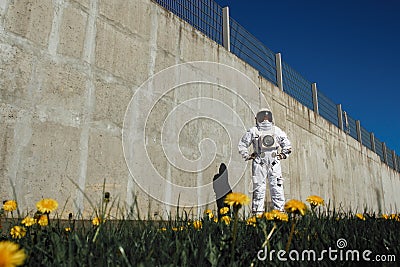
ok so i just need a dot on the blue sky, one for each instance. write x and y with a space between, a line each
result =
351 49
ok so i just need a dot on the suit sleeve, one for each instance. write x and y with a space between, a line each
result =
284 143
244 144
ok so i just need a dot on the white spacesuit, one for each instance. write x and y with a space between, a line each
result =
270 145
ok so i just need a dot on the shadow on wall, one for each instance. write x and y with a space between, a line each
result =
221 187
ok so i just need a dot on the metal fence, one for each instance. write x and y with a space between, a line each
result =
327 109
366 138
350 125
249 49
207 16
204 15
296 86
379 148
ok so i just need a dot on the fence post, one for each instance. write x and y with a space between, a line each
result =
394 160
340 116
372 137
279 76
358 128
384 152
315 97
226 37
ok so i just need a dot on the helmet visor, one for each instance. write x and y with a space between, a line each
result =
262 116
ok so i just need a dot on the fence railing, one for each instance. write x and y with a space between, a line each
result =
214 21
249 49
327 109
296 86
204 15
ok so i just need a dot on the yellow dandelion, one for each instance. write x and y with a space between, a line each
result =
197 225
296 206
10 205
96 221
67 229
259 215
224 210
174 229
28 221
252 221
209 213
215 219
283 217
276 215
18 232
393 216
360 216
237 199
226 219
163 229
43 220
47 205
11 255
315 201
385 216
269 216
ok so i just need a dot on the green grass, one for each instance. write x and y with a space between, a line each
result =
139 242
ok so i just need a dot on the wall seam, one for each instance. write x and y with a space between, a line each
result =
89 58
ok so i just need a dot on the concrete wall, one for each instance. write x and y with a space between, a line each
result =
68 72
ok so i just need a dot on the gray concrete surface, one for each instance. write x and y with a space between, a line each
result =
68 72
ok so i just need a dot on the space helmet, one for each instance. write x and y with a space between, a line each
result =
264 114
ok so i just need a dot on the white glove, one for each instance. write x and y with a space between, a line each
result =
250 157
281 156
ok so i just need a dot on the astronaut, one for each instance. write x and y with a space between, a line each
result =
270 145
